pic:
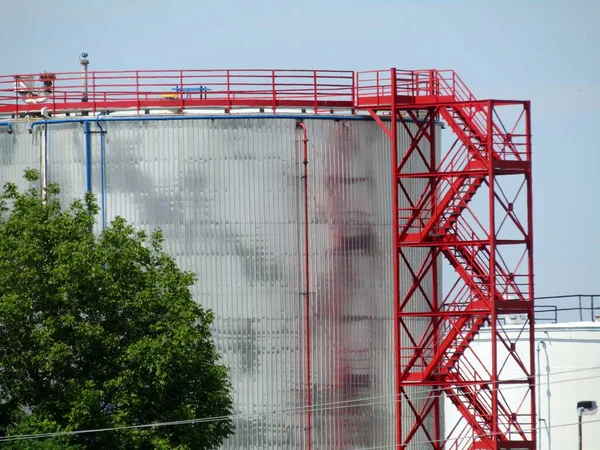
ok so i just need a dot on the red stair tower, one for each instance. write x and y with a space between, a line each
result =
488 244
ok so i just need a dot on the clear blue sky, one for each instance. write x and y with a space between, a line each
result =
545 51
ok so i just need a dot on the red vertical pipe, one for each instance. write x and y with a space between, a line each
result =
396 265
307 282
532 369
492 289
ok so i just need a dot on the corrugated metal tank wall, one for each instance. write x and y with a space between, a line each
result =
17 153
227 192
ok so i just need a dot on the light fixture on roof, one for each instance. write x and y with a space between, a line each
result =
84 61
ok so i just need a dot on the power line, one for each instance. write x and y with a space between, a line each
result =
530 430
315 408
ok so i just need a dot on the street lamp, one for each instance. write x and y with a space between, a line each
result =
585 408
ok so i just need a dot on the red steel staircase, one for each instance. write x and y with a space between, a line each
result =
489 246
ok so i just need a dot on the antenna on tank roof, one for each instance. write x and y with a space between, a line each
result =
84 61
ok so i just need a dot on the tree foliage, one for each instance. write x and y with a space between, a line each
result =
100 332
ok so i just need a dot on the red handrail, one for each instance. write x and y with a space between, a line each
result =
259 88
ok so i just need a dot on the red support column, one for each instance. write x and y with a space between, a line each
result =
435 278
492 271
529 187
396 263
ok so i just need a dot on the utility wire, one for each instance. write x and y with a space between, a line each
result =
562 425
315 408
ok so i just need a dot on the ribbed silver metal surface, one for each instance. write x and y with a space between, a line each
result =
228 195
66 158
351 265
18 151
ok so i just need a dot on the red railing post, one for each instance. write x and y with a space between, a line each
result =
228 75
94 92
454 85
431 83
315 92
274 91
394 85
16 97
354 92
54 97
416 84
137 90
181 90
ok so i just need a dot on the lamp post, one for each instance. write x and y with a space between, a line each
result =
584 408
84 61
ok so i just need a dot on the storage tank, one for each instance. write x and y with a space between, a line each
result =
228 193
568 371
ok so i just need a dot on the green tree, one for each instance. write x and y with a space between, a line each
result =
100 332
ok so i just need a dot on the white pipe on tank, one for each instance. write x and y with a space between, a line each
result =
43 154
547 422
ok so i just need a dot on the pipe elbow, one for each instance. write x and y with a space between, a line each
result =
8 125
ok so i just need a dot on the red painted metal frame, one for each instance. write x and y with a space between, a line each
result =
178 90
433 212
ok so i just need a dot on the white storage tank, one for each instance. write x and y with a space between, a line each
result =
568 371
228 193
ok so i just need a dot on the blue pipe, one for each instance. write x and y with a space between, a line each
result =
88 154
7 125
167 118
207 117
98 119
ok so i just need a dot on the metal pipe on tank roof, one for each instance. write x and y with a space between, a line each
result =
8 125
207 117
